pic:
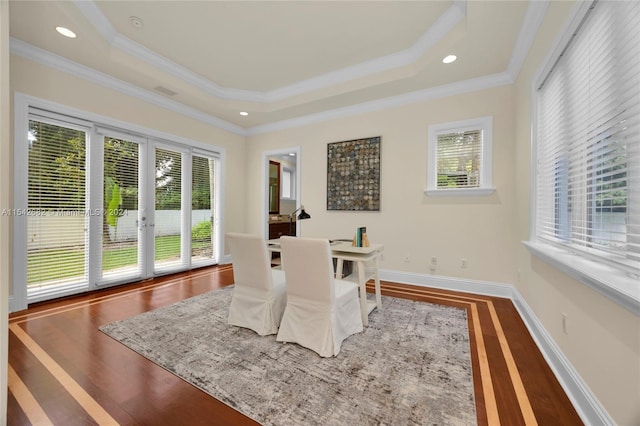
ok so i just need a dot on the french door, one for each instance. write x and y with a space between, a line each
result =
119 223
104 207
169 224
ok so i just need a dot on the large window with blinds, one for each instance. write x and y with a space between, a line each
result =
460 158
588 140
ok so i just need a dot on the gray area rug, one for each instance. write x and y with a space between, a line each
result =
410 366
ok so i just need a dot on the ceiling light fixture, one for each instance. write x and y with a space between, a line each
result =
244 113
66 32
450 58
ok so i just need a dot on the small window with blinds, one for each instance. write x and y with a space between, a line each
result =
588 140
460 158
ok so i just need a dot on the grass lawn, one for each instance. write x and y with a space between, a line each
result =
56 264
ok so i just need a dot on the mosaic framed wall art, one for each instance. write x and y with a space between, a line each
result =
353 175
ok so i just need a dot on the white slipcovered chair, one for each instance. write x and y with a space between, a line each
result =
260 293
321 311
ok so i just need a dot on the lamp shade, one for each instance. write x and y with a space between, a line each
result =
304 215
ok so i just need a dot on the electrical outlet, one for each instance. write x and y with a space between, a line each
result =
463 263
407 259
564 323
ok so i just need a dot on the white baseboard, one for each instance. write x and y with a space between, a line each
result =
584 401
447 283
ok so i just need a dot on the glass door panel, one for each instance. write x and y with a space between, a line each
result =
57 250
168 220
203 175
121 252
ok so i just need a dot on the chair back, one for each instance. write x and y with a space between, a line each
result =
308 268
250 259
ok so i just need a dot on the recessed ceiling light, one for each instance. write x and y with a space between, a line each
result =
66 32
450 58
293 154
244 113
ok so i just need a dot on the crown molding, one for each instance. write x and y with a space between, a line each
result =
533 18
100 22
95 16
534 15
466 86
445 23
60 63
530 25
44 57
454 14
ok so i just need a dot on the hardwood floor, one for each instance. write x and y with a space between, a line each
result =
63 371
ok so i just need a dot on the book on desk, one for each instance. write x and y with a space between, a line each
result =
361 239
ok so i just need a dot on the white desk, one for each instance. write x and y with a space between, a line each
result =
366 260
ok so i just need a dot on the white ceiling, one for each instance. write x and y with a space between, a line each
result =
284 62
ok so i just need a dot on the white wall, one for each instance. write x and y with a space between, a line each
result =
479 229
5 196
603 339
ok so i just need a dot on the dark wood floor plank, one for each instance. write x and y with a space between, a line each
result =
134 390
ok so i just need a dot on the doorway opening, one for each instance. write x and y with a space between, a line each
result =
282 192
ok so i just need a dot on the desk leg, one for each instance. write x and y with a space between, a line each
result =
339 268
362 283
376 278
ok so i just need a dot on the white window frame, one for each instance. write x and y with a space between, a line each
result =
614 282
485 125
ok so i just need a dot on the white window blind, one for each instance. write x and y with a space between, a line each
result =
588 139
119 215
56 207
459 159
168 203
203 184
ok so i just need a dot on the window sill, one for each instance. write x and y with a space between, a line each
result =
459 192
605 279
